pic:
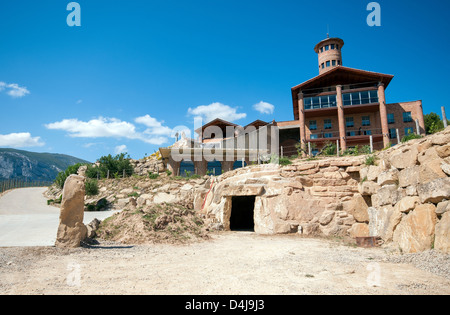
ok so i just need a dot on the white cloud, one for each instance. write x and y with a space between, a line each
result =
120 149
20 140
264 108
14 90
216 110
155 127
105 128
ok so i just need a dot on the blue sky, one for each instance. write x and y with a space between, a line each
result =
135 70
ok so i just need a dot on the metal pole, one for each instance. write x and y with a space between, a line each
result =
282 155
371 144
417 127
309 149
398 136
337 147
444 117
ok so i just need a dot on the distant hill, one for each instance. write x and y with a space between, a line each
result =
33 166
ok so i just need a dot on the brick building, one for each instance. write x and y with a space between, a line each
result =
347 105
341 105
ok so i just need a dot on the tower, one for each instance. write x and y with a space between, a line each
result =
329 52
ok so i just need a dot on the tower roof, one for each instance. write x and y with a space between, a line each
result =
328 40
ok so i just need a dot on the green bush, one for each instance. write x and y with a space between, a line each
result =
116 165
169 173
370 160
411 136
91 187
62 176
284 161
153 175
101 205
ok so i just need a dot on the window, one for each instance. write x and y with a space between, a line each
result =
314 136
409 130
367 132
339 62
328 64
360 98
323 66
337 47
373 95
327 47
349 122
407 117
392 133
351 133
333 63
321 49
328 135
347 99
327 124
365 99
332 46
391 118
312 125
366 120
319 102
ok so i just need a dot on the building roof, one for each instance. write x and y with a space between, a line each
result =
323 42
257 123
216 122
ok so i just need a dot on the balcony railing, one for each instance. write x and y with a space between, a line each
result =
348 133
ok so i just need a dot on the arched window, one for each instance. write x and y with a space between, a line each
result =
238 164
214 168
187 168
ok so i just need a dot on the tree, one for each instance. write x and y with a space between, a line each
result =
433 123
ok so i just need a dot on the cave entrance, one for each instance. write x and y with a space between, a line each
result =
242 213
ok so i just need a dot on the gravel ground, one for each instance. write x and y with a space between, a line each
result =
228 263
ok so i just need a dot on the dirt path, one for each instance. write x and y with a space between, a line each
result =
230 263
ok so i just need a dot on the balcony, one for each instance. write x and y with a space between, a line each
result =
352 135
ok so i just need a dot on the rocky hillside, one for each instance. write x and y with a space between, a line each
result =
33 166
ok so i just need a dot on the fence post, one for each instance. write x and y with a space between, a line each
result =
417 127
107 174
124 173
337 148
371 144
282 153
398 136
309 149
444 117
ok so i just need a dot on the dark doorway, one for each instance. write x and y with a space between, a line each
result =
242 212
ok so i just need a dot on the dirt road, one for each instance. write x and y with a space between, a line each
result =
230 263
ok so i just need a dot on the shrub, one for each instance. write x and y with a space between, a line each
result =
411 136
91 187
153 175
370 160
62 176
116 165
169 173
285 161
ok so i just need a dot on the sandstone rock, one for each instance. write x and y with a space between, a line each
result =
409 176
407 204
92 228
443 151
411 191
368 188
389 177
373 173
71 230
389 195
402 160
430 171
122 203
442 234
434 191
326 217
359 230
443 207
441 139
165 198
82 171
445 168
142 199
310 229
357 207
379 221
415 233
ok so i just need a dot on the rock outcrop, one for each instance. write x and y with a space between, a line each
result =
71 229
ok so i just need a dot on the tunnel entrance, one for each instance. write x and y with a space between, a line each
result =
242 213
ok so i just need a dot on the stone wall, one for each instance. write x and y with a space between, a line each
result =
408 190
403 198
315 197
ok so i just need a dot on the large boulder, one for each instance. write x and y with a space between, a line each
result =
404 159
434 191
71 230
442 237
415 233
